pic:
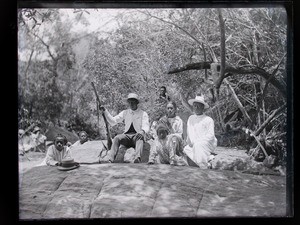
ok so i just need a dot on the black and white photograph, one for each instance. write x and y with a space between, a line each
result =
154 112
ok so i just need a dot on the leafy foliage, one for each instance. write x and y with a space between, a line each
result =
54 81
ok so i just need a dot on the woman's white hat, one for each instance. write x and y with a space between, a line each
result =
133 96
199 99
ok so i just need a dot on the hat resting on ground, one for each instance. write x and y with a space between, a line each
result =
199 99
133 96
68 164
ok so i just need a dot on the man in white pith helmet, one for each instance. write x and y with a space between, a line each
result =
136 126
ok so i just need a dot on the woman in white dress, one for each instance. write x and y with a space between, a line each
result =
201 140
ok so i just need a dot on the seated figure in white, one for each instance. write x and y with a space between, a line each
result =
201 140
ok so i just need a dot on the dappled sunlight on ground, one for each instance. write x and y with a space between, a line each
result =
127 190
141 190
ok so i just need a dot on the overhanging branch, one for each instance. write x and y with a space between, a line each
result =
192 66
231 71
258 71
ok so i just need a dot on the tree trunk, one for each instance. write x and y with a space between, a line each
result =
221 120
255 49
257 105
223 49
262 104
98 119
27 67
204 55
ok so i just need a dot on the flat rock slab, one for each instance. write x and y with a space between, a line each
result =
120 190
89 152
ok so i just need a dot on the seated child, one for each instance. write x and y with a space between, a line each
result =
163 149
57 152
83 138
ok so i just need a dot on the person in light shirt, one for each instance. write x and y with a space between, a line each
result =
83 138
136 126
57 152
175 126
164 151
163 97
38 140
201 140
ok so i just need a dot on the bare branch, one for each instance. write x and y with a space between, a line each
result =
238 102
270 118
46 45
230 71
258 71
175 25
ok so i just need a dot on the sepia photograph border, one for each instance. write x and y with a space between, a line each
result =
288 5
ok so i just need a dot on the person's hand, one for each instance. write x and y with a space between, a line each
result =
140 136
150 136
188 142
101 109
165 121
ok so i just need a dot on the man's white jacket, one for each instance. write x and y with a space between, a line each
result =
138 117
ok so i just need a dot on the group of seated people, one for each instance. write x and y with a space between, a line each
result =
166 136
31 141
61 149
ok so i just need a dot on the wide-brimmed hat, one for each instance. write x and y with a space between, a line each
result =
133 96
199 99
21 132
82 132
68 164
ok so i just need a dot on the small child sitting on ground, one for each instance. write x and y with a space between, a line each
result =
163 150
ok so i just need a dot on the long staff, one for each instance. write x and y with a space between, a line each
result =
108 135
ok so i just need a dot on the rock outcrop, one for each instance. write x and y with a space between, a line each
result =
120 190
